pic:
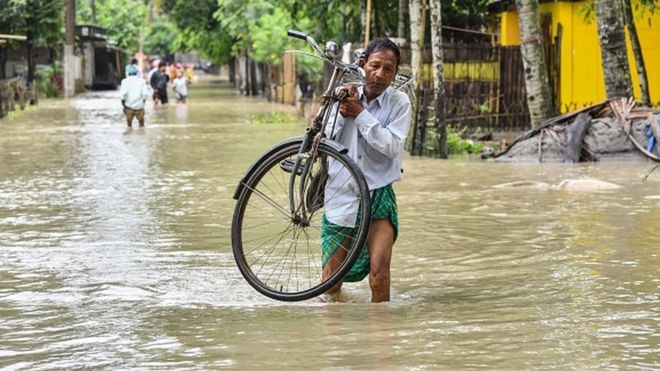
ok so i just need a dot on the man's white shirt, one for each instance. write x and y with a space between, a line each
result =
375 140
134 92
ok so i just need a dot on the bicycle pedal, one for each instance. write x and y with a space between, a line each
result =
288 165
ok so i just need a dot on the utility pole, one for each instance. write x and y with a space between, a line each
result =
69 58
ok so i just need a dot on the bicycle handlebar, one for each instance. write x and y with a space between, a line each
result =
297 34
354 70
347 67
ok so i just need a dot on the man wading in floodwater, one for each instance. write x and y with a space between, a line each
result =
373 126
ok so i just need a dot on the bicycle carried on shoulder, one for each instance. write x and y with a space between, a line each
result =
282 198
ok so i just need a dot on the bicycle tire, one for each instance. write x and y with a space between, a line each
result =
260 215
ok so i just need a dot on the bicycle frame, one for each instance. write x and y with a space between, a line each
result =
315 132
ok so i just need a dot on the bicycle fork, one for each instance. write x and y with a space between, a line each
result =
304 161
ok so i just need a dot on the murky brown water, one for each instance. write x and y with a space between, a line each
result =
114 253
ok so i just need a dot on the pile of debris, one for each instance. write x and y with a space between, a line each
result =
612 130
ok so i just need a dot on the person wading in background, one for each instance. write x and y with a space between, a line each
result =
134 94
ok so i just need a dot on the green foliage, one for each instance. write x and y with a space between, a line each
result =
457 145
45 20
331 19
41 20
124 20
269 38
162 38
274 118
588 10
465 7
46 80
199 30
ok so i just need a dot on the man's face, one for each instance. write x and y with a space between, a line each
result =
380 70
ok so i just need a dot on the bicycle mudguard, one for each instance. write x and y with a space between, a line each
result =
276 148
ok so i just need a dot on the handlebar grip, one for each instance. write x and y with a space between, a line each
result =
297 34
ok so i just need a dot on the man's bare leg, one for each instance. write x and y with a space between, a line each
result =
331 266
380 242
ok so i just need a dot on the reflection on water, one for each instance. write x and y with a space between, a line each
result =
114 252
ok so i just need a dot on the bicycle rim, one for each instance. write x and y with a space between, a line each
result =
280 256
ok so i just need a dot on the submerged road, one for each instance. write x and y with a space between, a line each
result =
115 253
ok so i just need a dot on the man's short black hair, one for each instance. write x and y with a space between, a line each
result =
380 44
134 61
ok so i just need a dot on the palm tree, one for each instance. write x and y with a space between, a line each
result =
534 62
616 71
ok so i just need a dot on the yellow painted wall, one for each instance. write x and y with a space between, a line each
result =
582 80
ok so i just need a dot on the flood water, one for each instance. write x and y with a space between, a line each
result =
115 253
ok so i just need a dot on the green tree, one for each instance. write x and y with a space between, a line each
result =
199 29
162 38
40 20
11 22
124 20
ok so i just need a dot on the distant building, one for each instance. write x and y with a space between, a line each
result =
102 60
573 47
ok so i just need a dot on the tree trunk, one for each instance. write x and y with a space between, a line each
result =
416 43
4 51
537 87
30 57
92 4
438 77
613 49
401 29
637 51
232 70
363 20
254 78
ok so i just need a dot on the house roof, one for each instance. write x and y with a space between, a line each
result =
496 6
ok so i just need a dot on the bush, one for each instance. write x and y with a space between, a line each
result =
48 79
456 145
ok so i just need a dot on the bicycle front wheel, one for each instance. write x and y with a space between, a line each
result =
278 248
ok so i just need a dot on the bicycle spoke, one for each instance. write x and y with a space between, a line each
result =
266 223
282 254
272 248
269 200
280 262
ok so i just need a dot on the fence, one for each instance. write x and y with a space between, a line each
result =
14 92
484 87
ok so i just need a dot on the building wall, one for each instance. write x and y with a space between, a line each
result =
582 80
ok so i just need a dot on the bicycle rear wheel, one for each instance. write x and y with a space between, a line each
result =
279 252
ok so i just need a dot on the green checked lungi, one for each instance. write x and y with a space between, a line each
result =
383 206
